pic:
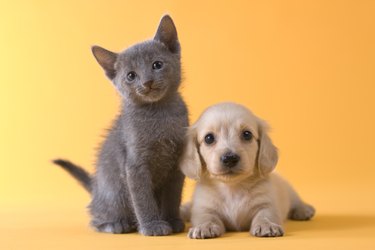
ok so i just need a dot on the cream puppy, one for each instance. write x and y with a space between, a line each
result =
230 155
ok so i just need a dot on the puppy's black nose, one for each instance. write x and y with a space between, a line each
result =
230 159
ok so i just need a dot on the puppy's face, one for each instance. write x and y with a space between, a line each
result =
228 143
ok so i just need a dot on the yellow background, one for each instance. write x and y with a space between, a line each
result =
307 67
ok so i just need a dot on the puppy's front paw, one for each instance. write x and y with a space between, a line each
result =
267 229
177 225
205 231
156 228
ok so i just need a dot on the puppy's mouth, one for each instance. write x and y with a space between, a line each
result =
228 174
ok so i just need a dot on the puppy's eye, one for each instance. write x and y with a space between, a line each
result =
131 76
247 135
157 65
209 139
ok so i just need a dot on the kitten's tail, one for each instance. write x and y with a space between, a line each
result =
77 172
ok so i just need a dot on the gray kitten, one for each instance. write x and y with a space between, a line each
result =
138 184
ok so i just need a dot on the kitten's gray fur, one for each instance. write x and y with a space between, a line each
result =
138 184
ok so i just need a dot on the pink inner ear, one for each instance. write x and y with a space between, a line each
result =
167 34
106 60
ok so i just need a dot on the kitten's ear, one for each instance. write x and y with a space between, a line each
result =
190 161
106 59
167 34
267 154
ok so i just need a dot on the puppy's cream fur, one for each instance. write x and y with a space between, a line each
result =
244 197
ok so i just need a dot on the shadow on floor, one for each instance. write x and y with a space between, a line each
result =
332 222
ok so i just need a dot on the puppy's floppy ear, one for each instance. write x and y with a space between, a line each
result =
106 59
190 161
267 154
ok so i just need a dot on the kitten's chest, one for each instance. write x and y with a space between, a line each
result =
157 125
159 130
156 137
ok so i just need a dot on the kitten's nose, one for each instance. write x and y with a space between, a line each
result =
230 159
148 84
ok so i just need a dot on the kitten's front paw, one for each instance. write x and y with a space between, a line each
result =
205 231
177 225
118 227
156 228
267 229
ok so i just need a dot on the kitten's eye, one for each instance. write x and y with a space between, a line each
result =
209 139
131 76
247 135
157 65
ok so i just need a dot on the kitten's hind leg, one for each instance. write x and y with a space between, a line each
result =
118 227
112 213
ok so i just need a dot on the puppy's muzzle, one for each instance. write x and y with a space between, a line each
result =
229 159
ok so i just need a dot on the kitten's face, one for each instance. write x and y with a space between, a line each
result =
146 72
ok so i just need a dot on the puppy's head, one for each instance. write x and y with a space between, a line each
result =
228 143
